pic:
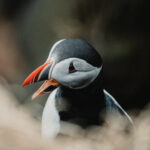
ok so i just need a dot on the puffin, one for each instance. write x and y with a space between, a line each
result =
73 75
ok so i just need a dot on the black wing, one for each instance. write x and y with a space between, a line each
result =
113 107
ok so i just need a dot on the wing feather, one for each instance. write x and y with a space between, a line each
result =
114 107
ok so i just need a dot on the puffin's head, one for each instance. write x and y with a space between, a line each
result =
72 63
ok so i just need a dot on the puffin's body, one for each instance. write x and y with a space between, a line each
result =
74 70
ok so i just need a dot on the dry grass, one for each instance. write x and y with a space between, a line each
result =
19 131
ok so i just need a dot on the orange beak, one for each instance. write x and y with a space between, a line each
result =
46 87
40 74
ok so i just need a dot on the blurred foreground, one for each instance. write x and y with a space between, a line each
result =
20 131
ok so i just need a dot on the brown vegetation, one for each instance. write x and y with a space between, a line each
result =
19 131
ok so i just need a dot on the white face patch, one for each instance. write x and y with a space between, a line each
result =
83 75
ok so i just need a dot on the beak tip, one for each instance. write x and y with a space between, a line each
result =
24 84
32 98
35 95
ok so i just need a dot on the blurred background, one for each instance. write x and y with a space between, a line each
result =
119 30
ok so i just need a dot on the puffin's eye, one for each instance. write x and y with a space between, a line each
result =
72 68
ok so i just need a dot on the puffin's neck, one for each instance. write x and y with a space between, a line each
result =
85 105
95 89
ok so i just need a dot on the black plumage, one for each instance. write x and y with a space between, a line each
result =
87 106
75 69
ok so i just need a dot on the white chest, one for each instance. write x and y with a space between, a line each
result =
50 118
